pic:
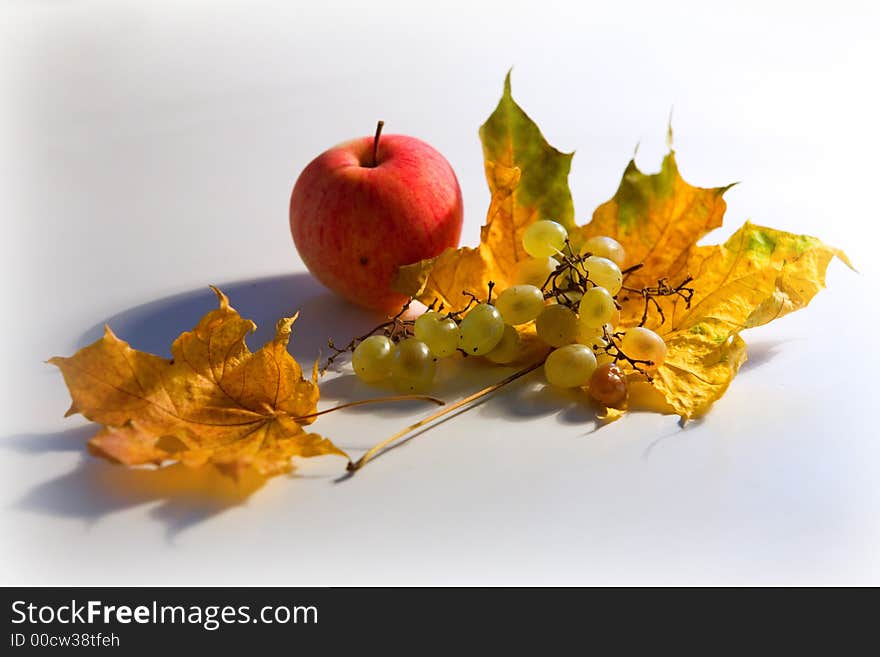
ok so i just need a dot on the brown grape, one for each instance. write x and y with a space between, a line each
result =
608 385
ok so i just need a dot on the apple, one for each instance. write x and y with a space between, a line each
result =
365 207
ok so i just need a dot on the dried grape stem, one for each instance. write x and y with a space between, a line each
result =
380 447
614 349
397 328
473 299
392 327
662 289
556 287
629 270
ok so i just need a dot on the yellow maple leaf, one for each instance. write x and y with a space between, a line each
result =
215 402
759 274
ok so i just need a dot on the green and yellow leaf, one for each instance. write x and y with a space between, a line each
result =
758 275
528 180
512 140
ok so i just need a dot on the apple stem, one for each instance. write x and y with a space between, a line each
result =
379 127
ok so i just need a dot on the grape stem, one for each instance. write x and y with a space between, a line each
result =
473 300
375 400
380 448
394 326
629 270
570 264
663 289
614 349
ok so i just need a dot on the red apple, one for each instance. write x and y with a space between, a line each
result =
364 208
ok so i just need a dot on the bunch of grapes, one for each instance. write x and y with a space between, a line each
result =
581 313
406 351
570 296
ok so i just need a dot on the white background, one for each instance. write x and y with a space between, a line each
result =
149 149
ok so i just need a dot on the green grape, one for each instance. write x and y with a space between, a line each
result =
412 366
508 350
594 338
604 273
520 304
534 271
611 323
544 238
591 337
570 366
480 330
438 332
596 308
640 343
371 359
557 325
605 247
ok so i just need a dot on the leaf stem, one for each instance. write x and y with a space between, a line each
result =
375 400
380 447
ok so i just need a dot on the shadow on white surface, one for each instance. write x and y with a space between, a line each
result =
533 398
682 427
527 398
182 497
71 440
94 489
153 326
761 352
